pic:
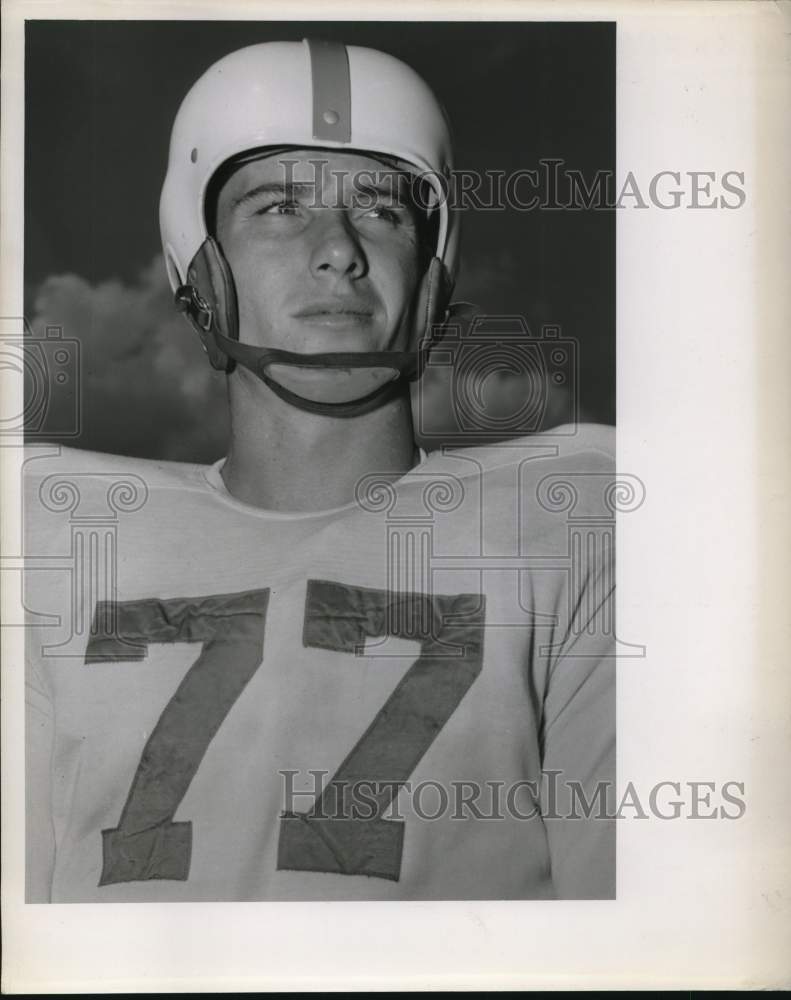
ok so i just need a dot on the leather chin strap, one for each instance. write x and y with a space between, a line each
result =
209 301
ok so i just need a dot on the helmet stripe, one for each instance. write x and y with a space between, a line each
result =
332 101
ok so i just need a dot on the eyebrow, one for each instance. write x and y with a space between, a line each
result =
286 190
393 190
291 189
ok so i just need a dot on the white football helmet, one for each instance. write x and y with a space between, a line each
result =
307 94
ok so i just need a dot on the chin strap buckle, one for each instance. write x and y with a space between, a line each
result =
196 307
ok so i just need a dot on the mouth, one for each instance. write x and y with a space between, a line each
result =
336 314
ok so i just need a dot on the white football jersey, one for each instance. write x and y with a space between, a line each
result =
388 700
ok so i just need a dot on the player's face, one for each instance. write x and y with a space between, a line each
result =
323 247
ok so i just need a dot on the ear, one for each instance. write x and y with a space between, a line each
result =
215 310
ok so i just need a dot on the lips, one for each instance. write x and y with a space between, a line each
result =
327 310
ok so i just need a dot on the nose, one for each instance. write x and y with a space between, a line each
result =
336 252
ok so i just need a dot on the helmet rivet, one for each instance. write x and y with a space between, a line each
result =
194 154
331 117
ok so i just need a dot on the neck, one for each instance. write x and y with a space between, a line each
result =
282 458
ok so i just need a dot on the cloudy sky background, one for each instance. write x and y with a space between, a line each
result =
100 100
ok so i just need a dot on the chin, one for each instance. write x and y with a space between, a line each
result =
339 340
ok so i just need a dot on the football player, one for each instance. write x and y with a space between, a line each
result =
329 666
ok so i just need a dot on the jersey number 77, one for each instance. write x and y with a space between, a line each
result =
148 844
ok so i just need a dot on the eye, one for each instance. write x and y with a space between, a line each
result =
382 212
278 208
395 214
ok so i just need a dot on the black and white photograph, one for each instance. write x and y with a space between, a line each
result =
339 347
366 652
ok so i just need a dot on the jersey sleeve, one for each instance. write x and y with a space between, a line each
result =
39 830
578 745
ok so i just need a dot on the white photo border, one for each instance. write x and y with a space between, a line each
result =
703 355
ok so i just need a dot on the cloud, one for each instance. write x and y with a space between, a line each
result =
145 386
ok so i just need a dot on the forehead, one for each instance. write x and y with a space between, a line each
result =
320 167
